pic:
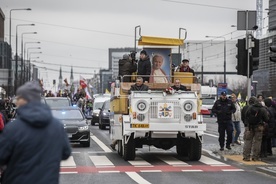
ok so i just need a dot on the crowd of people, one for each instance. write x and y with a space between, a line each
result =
259 119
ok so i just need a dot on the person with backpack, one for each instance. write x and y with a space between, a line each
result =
253 115
224 108
271 128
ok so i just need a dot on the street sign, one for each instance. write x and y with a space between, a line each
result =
241 21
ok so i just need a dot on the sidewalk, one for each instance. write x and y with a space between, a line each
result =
267 165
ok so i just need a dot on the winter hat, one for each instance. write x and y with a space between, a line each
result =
143 52
125 56
30 91
252 100
268 102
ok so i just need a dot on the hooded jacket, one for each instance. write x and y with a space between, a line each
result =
126 67
32 146
144 68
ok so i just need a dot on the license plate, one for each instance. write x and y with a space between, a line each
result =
69 135
139 125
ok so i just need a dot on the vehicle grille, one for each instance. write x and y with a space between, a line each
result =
71 129
153 111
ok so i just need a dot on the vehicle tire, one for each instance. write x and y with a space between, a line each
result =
194 153
182 146
92 123
86 144
129 149
120 148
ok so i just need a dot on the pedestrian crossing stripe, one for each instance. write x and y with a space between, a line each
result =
102 164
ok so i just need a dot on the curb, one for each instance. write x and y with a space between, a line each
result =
267 170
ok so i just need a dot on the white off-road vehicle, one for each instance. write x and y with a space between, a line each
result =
157 118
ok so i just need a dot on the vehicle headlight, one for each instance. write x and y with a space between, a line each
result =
188 106
141 106
187 117
141 117
105 114
82 128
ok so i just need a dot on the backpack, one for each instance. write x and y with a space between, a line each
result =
253 116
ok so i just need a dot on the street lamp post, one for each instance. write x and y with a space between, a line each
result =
29 57
10 63
22 78
224 48
16 55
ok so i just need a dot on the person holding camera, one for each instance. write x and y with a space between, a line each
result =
126 67
224 108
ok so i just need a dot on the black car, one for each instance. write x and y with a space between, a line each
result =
104 115
75 124
57 101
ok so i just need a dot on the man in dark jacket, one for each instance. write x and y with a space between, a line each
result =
33 145
139 86
253 132
224 108
184 67
144 66
177 86
126 67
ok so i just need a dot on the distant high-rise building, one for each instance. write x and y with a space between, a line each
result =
60 78
71 76
272 15
2 20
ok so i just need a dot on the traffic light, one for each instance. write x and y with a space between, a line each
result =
254 58
273 49
242 57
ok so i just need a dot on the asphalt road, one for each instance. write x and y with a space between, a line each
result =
99 164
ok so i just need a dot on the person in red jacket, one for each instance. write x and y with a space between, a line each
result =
184 67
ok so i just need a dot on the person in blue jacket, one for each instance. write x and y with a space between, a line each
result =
33 145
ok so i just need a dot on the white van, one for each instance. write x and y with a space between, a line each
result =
98 103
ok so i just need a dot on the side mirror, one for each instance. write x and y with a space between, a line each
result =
108 110
100 108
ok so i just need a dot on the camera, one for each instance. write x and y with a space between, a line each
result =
133 56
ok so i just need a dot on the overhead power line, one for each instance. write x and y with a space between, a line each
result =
203 5
84 67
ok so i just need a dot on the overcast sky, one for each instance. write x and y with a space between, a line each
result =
79 33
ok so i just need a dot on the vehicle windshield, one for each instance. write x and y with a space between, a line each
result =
58 102
67 114
98 105
208 101
107 104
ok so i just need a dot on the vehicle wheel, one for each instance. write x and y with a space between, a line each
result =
182 146
92 123
120 148
100 126
194 152
129 149
86 144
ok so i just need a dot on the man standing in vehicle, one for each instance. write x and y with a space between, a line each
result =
139 86
126 67
224 108
144 66
33 145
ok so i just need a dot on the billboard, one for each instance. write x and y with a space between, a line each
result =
161 64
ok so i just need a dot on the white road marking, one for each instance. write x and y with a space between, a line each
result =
101 144
150 170
68 172
137 178
109 171
212 135
101 161
172 161
195 170
232 170
70 162
210 161
139 162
